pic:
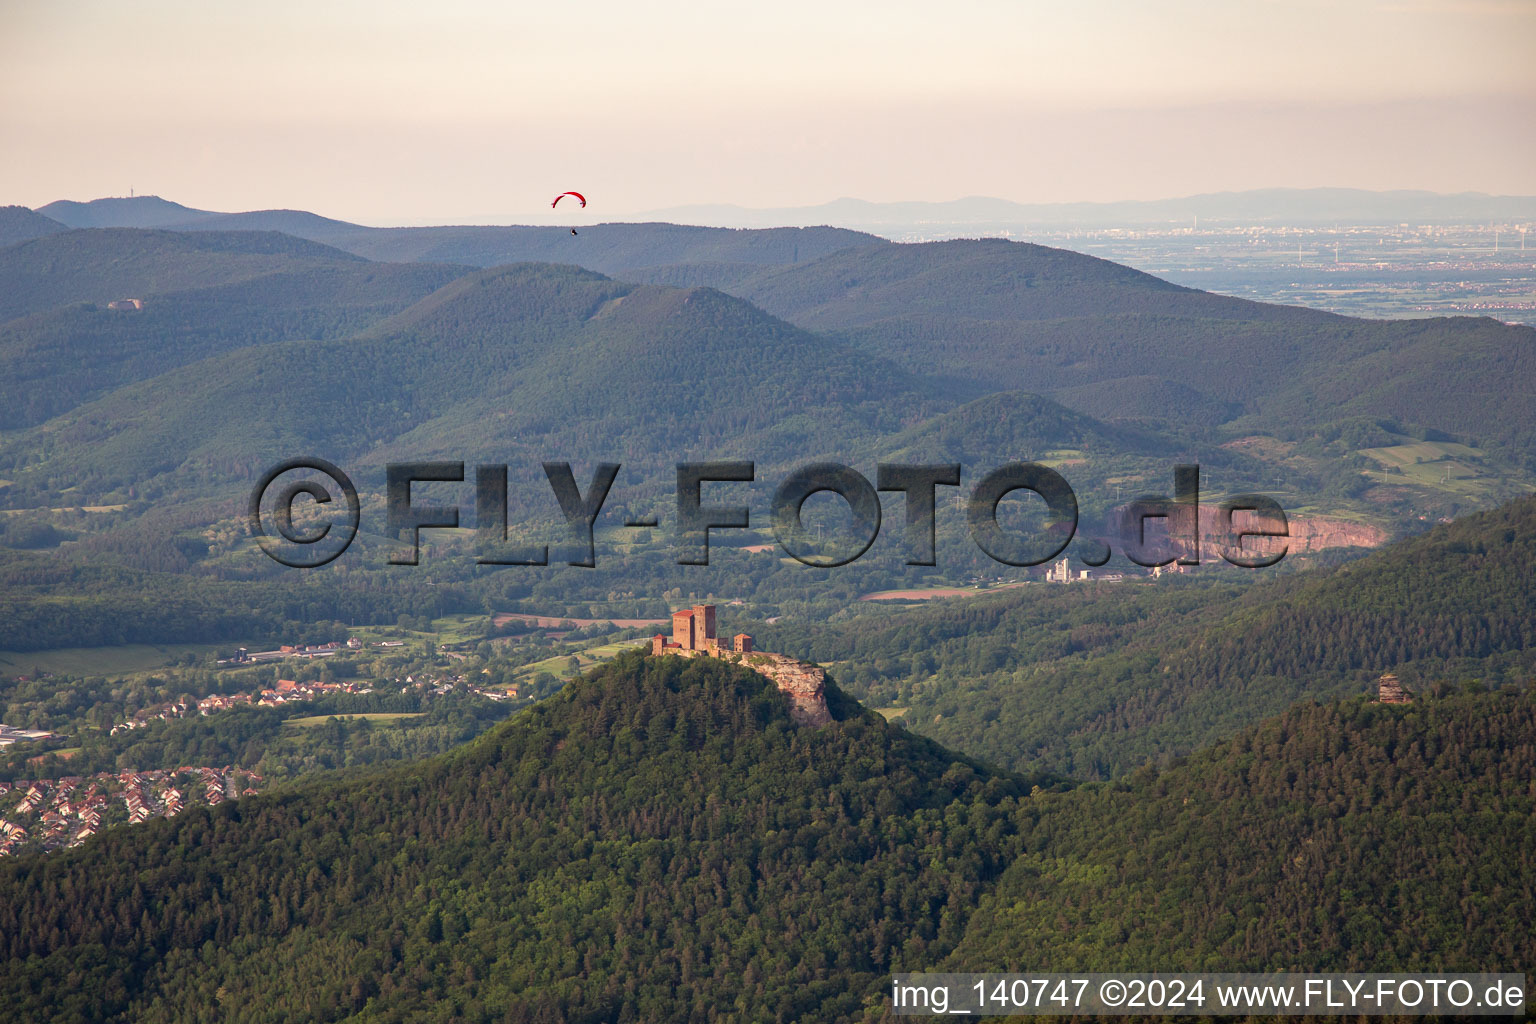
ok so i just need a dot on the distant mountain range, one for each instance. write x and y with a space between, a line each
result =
760 344
606 248
1313 206
487 246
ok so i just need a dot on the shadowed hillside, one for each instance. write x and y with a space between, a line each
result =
101 265
990 314
19 224
658 373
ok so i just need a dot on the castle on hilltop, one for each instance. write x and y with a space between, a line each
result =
693 630
693 636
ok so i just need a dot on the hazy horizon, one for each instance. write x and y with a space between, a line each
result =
705 209
389 113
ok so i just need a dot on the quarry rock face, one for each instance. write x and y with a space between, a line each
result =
1315 533
1306 534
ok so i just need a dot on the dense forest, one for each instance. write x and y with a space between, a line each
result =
657 842
1351 836
661 842
1092 681
48 602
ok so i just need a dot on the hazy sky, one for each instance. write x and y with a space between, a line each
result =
459 110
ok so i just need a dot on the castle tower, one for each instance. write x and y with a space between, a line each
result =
684 628
703 625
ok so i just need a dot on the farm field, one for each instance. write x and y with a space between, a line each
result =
376 716
934 593
1443 466
120 660
560 665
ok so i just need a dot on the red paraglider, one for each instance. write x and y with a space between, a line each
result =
562 195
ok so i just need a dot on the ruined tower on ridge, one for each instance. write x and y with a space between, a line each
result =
1390 691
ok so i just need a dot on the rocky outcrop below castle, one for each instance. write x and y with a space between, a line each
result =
693 636
804 685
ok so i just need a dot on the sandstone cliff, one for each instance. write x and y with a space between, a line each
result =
805 685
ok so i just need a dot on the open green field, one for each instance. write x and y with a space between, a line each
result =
935 593
82 508
373 716
1443 466
1422 451
103 661
587 657
373 634
455 629
606 652
451 629
1062 457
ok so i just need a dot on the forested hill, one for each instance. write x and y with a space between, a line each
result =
121 212
1343 837
660 842
979 279
202 295
537 341
19 224
101 265
1110 341
1094 680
